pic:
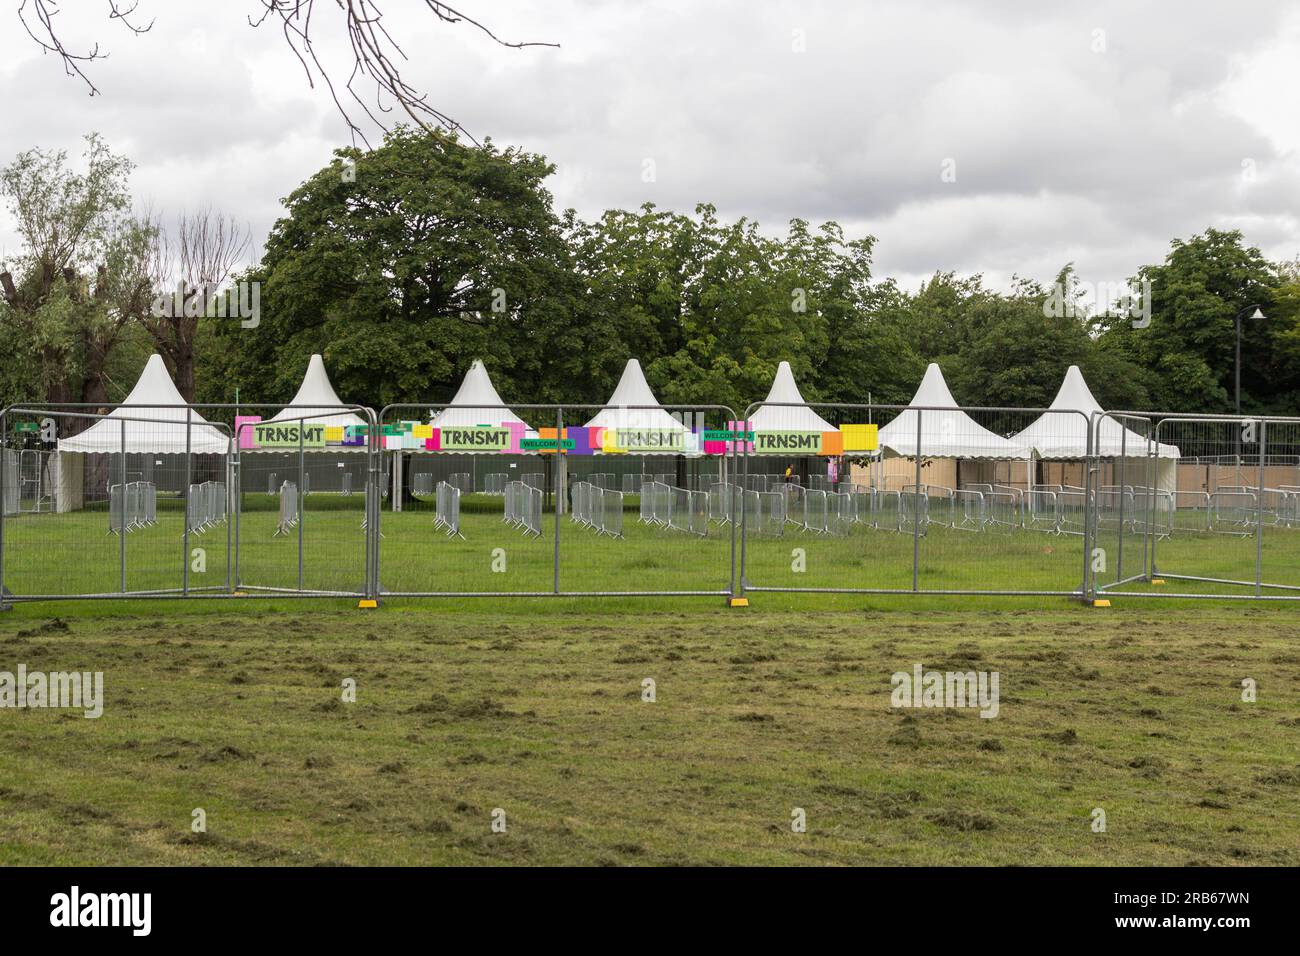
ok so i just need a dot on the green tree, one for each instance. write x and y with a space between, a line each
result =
403 265
81 278
1188 349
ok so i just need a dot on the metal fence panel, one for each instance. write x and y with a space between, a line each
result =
1205 506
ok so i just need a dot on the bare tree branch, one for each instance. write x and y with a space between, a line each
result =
196 259
45 11
374 87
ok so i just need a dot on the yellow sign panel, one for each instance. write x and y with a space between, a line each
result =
860 437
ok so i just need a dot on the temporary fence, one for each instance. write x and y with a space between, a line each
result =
289 509
205 506
688 510
724 502
841 512
447 513
523 507
942 502
1121 504
764 513
599 509
660 497
131 506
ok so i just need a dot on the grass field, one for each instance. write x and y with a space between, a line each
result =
534 705
536 708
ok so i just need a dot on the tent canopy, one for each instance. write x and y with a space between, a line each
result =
476 402
317 395
792 414
1065 436
947 432
620 410
163 434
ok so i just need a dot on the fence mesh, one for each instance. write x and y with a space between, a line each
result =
949 500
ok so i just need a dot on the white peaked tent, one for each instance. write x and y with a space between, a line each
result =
792 414
1065 436
947 432
162 434
316 395
633 390
476 402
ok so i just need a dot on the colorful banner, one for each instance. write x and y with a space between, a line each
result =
846 440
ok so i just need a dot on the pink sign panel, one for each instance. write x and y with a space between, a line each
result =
247 436
735 445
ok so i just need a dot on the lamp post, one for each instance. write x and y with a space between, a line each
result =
1256 314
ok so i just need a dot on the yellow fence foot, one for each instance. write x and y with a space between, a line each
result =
737 602
367 603
1101 602
1157 580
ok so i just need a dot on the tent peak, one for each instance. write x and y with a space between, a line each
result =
933 392
785 408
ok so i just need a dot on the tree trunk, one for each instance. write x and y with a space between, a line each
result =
183 362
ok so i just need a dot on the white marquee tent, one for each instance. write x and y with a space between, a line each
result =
165 431
1065 436
792 414
315 395
633 390
476 402
155 426
946 430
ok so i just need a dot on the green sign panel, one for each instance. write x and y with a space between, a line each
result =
474 438
546 444
650 441
787 443
286 435
724 435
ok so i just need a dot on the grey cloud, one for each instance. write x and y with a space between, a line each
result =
1062 153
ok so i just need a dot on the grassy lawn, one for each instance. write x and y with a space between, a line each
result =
534 707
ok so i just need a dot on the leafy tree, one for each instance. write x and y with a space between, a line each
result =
1189 346
403 265
81 278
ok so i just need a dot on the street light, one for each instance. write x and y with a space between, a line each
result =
1257 314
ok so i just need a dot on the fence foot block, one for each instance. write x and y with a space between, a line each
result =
1101 602
1157 580
367 603
737 602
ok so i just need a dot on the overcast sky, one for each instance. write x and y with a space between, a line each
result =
1091 133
